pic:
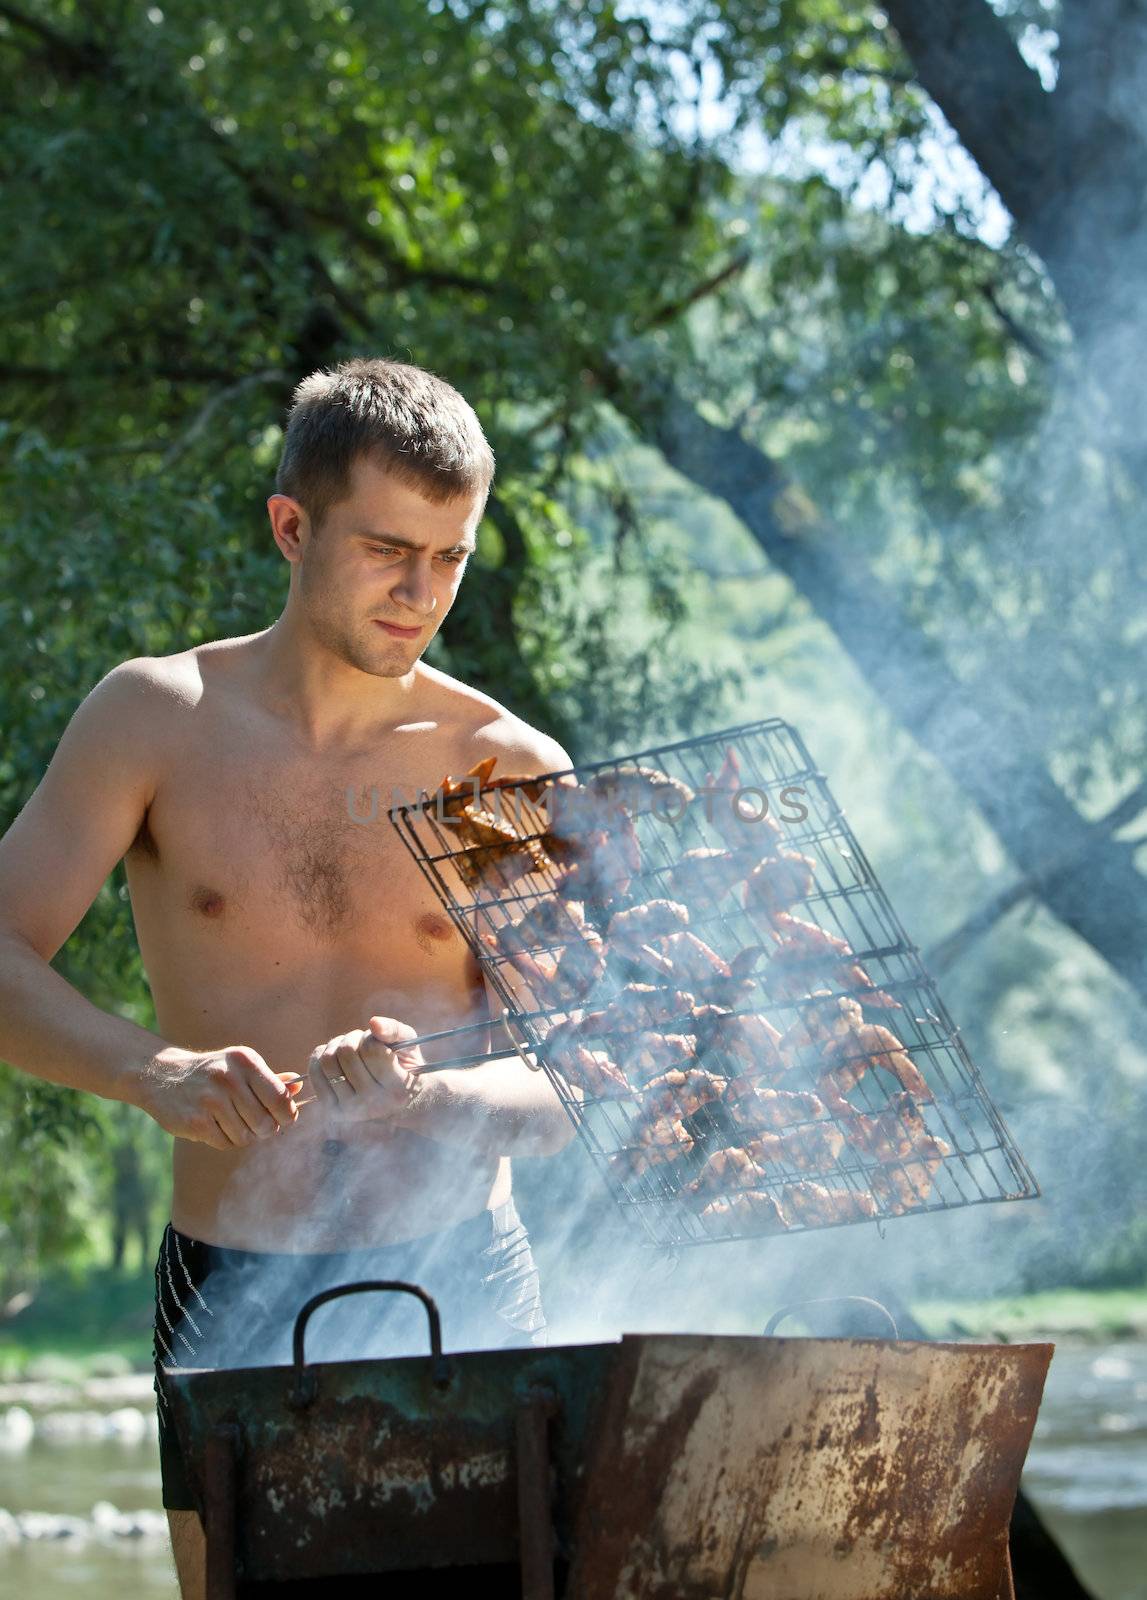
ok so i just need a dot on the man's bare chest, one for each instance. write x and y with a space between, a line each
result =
248 835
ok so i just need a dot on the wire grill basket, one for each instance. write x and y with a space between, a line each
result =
694 947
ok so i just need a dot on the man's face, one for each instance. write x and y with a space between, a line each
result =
378 580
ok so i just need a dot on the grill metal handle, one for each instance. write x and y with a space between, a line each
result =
305 1387
832 1300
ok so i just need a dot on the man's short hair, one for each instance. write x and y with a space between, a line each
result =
411 423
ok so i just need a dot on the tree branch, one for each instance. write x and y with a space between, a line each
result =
186 439
676 308
70 57
957 943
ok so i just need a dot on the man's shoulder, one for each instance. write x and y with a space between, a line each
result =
177 679
488 728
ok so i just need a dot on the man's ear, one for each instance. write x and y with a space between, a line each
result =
290 525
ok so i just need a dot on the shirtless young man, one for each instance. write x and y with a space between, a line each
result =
281 935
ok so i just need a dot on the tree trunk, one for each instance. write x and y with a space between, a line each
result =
1088 880
1068 165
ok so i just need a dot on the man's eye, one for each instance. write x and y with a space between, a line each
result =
455 557
383 550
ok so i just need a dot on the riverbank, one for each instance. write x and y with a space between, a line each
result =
99 1325
1097 1315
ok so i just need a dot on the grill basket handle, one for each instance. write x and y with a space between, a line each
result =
305 1386
832 1300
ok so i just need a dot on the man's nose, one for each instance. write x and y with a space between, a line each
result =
415 589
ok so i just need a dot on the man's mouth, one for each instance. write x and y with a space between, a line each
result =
399 633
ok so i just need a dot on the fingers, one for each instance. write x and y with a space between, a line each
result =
260 1098
274 1097
391 1032
236 1132
388 1031
356 1059
319 1078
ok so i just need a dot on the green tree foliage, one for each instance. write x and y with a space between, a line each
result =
538 201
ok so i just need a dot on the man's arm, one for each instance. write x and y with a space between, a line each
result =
80 821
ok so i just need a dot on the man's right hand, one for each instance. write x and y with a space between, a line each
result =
226 1098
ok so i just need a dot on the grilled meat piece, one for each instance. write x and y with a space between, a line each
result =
657 1142
752 1107
809 1149
679 1093
563 1041
639 789
746 1037
683 958
594 1072
725 1171
633 927
707 875
889 1136
751 1209
597 864
779 881
547 922
649 1054
813 1204
865 1045
637 1007
691 959
478 829
907 1185
454 794
822 1022
737 821
556 980
805 950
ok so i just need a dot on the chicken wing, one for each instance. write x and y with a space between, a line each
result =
752 1107
680 1092
907 1185
890 1135
751 1209
725 1171
656 1143
640 1006
705 876
594 1072
639 789
598 864
805 952
863 1046
546 923
735 813
779 881
815 1205
809 1149
633 927
747 1038
649 1054
555 980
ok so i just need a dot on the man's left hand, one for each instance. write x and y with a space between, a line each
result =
367 1074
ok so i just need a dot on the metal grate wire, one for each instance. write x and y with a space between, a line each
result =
778 777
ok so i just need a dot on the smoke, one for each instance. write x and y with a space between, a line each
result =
599 1272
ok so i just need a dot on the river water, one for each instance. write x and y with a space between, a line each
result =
1086 1472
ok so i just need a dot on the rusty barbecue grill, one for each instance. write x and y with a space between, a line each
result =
692 944
684 1465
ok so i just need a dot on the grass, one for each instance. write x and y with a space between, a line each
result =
1083 1313
81 1324
76 1321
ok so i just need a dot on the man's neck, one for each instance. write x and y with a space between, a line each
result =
329 704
